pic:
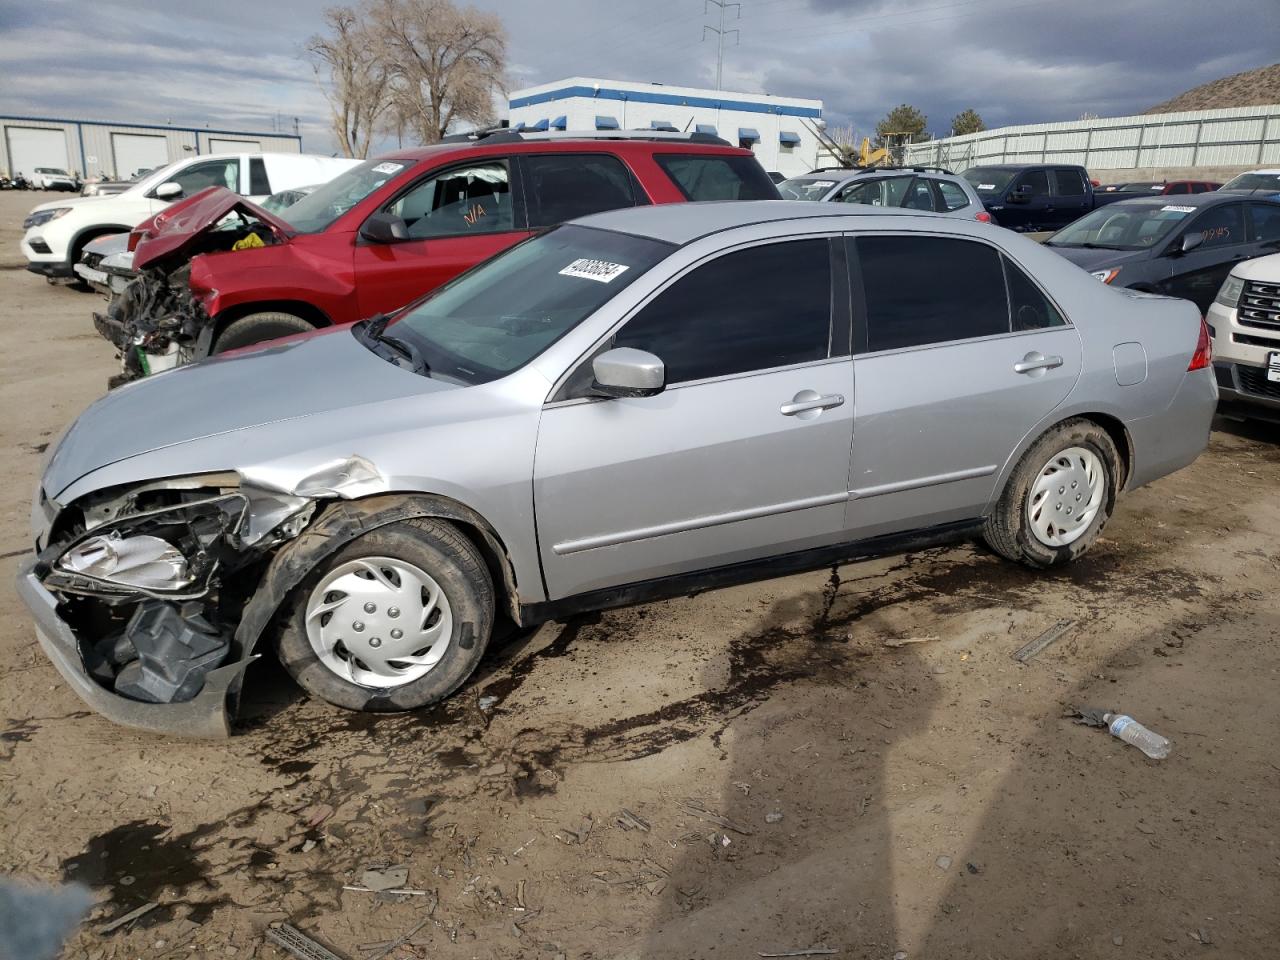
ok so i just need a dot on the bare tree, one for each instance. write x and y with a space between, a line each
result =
359 90
446 63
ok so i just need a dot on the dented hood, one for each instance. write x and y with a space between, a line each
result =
295 379
172 232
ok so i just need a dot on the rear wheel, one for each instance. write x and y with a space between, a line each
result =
1058 498
258 328
396 620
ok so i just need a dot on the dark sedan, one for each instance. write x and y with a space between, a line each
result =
1179 246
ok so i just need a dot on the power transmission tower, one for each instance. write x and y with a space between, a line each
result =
720 33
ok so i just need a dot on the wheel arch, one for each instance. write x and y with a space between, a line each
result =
86 234
298 308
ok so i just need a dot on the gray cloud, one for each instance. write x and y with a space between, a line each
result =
238 63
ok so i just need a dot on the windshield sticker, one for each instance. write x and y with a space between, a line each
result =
986 186
601 271
388 168
823 183
1175 209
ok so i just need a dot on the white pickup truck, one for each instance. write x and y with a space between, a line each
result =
57 231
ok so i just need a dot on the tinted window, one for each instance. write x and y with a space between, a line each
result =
259 185
563 187
1266 221
711 177
500 315
1220 226
754 309
1038 180
919 196
471 199
1070 183
953 197
1177 188
922 290
1029 308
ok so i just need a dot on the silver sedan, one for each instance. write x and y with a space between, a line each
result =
637 404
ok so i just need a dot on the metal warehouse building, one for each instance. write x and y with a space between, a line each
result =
782 131
94 148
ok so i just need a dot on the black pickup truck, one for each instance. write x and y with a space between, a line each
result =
1034 197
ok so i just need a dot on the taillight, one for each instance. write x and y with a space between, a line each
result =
1204 349
983 217
134 236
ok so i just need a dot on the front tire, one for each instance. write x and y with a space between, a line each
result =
1058 498
396 620
258 328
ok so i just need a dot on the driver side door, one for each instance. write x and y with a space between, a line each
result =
455 218
745 452
1197 274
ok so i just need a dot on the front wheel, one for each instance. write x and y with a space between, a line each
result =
396 620
258 328
1058 498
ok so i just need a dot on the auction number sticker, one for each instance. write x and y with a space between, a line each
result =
602 271
1273 366
388 168
986 186
1176 209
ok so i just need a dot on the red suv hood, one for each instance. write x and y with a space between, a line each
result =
171 232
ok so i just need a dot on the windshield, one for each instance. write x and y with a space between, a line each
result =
989 179
805 188
497 317
1123 227
1255 181
314 213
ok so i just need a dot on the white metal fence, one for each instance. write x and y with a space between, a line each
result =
1239 136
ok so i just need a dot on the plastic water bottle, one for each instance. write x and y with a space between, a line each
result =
1136 735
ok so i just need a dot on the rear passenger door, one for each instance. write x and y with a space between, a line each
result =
958 354
1071 196
564 186
456 217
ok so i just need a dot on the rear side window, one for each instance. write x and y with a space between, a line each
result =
919 196
1070 182
712 177
259 185
753 309
1029 308
561 187
923 290
1266 221
884 192
953 196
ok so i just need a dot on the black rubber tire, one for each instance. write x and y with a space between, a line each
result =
1006 530
441 550
258 328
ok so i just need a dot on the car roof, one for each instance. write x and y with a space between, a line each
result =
682 223
624 145
1182 199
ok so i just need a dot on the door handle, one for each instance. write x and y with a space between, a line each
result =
807 401
1036 361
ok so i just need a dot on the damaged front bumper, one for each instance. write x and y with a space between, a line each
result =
208 714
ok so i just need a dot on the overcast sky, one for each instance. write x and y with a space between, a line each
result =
237 63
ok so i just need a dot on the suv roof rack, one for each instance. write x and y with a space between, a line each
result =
886 167
507 135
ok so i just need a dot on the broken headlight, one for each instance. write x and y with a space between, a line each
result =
143 561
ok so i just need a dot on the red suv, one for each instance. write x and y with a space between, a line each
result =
216 272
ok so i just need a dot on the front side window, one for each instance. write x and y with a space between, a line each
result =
1037 180
953 196
470 199
497 317
923 290
212 173
753 309
563 187
1070 182
1220 227
718 177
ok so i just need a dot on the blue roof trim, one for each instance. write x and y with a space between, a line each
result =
177 128
789 138
748 133
540 125
560 122
706 128
606 123
669 99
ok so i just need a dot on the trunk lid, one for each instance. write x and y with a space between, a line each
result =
171 233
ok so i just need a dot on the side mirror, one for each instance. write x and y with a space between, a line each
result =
1190 242
169 190
628 372
384 227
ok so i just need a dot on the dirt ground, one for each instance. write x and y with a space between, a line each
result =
791 779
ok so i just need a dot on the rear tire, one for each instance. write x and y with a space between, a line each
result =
259 328
1071 472
369 611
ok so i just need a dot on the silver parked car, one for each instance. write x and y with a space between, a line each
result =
620 408
912 188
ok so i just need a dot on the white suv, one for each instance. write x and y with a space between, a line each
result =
56 232
1245 321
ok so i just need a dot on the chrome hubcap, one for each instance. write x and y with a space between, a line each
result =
1066 495
379 622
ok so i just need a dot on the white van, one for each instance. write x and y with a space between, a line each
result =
56 232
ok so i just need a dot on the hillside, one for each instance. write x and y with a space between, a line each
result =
1248 89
